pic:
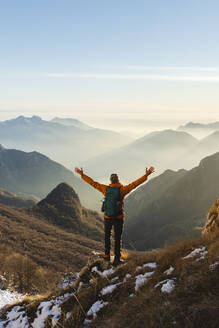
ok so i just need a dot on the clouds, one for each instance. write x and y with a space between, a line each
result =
120 76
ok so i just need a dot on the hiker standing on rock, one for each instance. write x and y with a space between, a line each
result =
113 207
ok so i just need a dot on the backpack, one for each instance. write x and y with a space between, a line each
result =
112 205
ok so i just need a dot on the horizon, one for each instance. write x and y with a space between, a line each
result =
137 128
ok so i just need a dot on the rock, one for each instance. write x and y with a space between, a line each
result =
212 224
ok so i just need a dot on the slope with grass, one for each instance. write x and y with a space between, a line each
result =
62 208
57 233
171 206
35 174
10 199
172 287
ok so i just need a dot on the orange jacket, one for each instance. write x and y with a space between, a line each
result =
124 190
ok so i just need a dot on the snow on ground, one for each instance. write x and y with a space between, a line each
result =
115 279
8 297
15 319
141 279
213 266
168 285
49 308
169 271
127 276
105 273
202 252
109 289
151 265
95 308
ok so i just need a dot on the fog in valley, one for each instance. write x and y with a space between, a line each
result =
127 149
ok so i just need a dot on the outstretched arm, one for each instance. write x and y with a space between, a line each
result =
99 186
127 189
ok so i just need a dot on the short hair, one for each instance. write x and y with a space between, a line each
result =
114 178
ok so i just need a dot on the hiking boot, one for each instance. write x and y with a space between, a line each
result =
117 262
106 257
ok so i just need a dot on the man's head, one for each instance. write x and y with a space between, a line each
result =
114 178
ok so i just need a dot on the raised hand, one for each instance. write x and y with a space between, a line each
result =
79 171
150 170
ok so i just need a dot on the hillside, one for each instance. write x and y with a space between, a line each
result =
172 287
62 208
67 144
171 206
160 149
35 174
10 199
58 236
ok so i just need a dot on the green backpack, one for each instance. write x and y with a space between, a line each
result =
112 205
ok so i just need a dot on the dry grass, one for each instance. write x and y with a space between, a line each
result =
47 245
193 304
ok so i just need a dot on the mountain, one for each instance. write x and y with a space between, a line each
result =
35 174
72 122
57 233
10 199
69 145
172 287
159 149
198 129
62 208
171 206
205 147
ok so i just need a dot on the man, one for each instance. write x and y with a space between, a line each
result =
113 207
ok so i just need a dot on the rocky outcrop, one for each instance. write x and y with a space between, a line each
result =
212 224
62 207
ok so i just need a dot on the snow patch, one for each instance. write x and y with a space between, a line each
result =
105 273
141 279
213 266
127 276
15 319
169 271
49 309
115 279
198 251
108 289
151 265
168 285
8 297
95 308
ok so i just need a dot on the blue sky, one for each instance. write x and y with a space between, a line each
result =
152 61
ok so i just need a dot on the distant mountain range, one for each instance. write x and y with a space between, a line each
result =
72 122
160 149
57 233
32 173
171 206
67 144
198 129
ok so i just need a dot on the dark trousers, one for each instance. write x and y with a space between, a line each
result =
118 227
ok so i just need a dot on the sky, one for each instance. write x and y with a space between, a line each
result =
120 64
